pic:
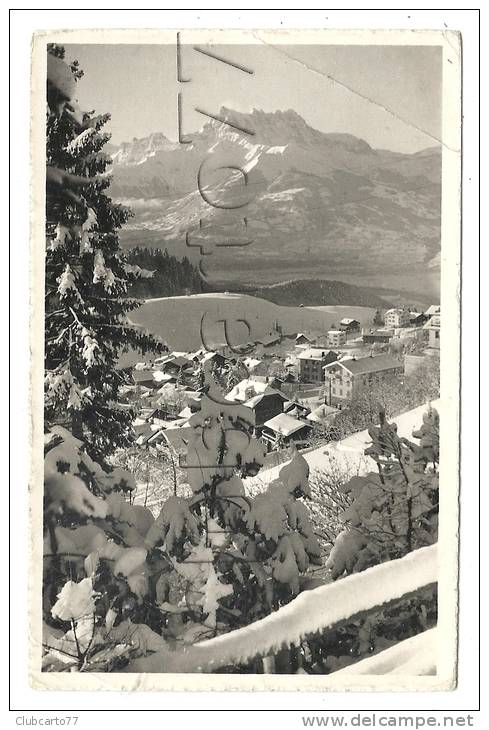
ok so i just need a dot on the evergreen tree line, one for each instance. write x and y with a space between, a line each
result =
171 276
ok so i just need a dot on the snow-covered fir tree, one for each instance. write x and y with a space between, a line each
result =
86 303
238 557
394 510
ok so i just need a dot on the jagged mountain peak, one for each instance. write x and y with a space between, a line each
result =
141 149
348 205
260 127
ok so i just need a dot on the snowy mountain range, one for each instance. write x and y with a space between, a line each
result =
315 203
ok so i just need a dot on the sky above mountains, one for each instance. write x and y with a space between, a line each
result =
389 96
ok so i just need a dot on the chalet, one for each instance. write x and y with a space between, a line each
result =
144 379
346 378
312 361
303 340
255 366
283 430
432 326
143 431
161 377
295 409
141 426
215 358
417 319
397 317
349 325
175 364
265 406
274 338
323 415
336 338
271 380
288 376
434 309
248 388
382 336
175 439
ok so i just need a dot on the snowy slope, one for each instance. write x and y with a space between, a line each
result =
311 611
413 656
350 450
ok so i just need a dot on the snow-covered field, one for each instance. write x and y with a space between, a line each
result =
184 321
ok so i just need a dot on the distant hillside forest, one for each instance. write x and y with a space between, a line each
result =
174 277
316 292
171 277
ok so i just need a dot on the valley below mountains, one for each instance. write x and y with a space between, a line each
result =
281 200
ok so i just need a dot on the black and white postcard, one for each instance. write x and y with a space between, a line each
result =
245 359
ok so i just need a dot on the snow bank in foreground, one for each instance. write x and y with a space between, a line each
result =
415 656
312 611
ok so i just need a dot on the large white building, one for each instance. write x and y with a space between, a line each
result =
397 317
336 338
345 378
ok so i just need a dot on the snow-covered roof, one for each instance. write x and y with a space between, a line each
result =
198 354
321 413
433 309
253 402
434 323
142 376
180 361
170 387
185 413
366 365
242 390
161 377
251 363
142 366
284 424
313 353
304 336
396 310
381 332
348 320
290 404
269 339
176 438
209 356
